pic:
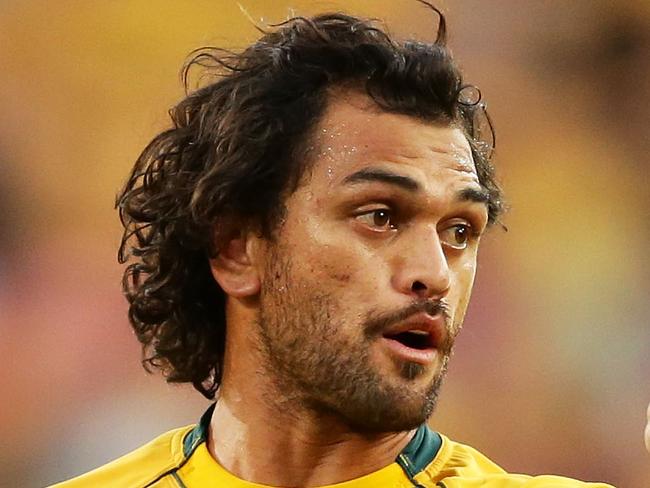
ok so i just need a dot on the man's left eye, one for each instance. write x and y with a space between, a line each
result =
456 236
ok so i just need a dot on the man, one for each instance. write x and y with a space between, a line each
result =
302 247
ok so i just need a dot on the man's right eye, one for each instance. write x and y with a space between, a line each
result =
379 219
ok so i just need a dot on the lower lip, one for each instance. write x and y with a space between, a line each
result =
422 356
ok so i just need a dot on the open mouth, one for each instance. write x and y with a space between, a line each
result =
414 339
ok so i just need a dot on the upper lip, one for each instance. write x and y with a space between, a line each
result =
434 326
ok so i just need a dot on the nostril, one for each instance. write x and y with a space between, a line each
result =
418 286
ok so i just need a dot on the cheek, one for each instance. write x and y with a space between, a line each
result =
467 273
332 260
335 265
464 281
647 431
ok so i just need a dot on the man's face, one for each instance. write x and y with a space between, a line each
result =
367 283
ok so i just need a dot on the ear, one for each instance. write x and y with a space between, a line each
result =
235 266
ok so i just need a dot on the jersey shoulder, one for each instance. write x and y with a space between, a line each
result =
147 466
460 460
462 466
509 480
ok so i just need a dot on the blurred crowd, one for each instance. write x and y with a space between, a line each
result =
552 370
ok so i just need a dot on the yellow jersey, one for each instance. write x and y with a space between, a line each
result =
180 459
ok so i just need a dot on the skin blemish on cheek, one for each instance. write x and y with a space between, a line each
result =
342 277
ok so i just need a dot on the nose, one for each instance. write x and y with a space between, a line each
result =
422 269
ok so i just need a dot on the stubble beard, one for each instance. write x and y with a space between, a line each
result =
315 366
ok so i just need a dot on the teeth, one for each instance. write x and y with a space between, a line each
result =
419 332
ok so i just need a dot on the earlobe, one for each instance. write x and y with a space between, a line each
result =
234 268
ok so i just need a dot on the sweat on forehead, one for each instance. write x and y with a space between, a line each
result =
354 128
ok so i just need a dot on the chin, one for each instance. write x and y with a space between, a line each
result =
400 405
401 418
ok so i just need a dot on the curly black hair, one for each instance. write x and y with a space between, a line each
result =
236 150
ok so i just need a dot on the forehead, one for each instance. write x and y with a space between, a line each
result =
354 132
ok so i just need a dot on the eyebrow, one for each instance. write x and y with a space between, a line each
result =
367 175
478 195
470 194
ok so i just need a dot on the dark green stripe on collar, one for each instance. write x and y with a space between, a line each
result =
420 451
198 434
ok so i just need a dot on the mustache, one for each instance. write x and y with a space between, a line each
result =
376 325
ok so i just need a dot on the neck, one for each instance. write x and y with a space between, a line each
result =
259 443
261 436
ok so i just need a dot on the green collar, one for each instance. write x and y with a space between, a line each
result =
420 451
417 454
198 434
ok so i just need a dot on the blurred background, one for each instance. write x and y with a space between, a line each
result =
551 373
